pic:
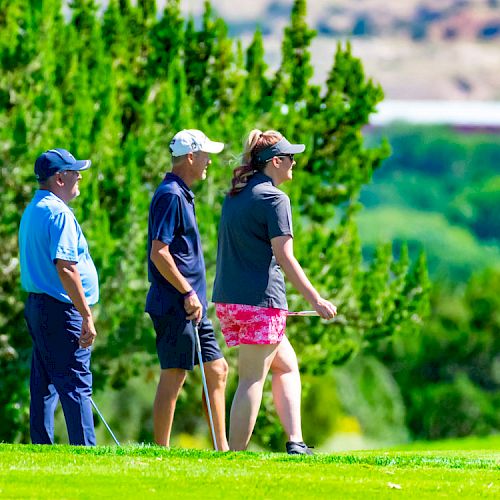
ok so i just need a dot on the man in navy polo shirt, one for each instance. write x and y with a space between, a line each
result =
60 276
177 296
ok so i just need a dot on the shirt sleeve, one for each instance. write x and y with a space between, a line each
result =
166 218
63 237
279 217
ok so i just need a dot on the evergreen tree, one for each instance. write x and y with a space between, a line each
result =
114 31
147 9
340 159
220 84
167 40
198 53
257 86
292 79
17 33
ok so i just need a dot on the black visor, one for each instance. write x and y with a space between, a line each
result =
282 147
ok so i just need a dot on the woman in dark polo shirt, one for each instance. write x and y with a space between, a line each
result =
255 241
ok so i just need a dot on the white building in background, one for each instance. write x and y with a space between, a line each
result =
468 114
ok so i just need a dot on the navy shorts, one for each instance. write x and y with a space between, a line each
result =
176 344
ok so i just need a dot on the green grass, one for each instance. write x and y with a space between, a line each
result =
146 472
469 443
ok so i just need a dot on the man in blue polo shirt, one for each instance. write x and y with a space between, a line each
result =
177 296
58 273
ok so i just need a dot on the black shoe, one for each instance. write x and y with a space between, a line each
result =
298 448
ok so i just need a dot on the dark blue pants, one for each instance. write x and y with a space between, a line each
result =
60 369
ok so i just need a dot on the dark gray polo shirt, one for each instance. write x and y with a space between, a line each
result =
247 271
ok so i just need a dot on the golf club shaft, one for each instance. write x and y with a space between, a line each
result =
339 318
302 313
104 421
205 388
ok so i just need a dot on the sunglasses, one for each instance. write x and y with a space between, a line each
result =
291 156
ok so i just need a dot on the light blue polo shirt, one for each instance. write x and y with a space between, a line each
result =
50 231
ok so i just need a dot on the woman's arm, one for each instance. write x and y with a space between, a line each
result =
283 251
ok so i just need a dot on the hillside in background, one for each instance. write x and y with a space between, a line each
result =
440 190
417 49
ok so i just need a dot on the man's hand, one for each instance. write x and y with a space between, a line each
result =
88 333
193 307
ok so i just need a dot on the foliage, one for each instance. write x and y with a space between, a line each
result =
476 205
449 373
439 190
453 252
437 169
115 89
369 391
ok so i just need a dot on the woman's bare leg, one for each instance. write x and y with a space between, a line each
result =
254 363
287 389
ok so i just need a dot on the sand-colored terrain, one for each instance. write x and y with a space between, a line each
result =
417 49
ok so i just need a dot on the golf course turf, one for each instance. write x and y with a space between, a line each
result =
62 471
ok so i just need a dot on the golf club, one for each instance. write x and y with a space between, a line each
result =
302 313
204 380
338 319
104 421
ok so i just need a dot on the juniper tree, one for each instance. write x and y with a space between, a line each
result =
257 86
292 78
199 55
167 40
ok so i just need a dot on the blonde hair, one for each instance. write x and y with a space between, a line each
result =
256 142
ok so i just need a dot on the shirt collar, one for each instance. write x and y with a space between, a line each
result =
40 194
170 176
262 177
45 193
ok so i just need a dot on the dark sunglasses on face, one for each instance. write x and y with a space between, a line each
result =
287 156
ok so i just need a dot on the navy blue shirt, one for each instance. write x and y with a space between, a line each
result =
172 220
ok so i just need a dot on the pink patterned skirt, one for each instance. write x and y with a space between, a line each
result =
242 324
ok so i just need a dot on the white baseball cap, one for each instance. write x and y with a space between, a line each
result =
191 141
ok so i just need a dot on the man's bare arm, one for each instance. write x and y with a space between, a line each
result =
72 283
164 262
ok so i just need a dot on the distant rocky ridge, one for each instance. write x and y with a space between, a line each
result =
414 19
417 49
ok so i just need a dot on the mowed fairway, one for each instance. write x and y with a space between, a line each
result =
149 472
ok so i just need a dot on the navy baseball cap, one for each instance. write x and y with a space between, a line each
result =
282 147
57 160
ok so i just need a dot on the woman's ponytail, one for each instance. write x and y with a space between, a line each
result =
256 142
